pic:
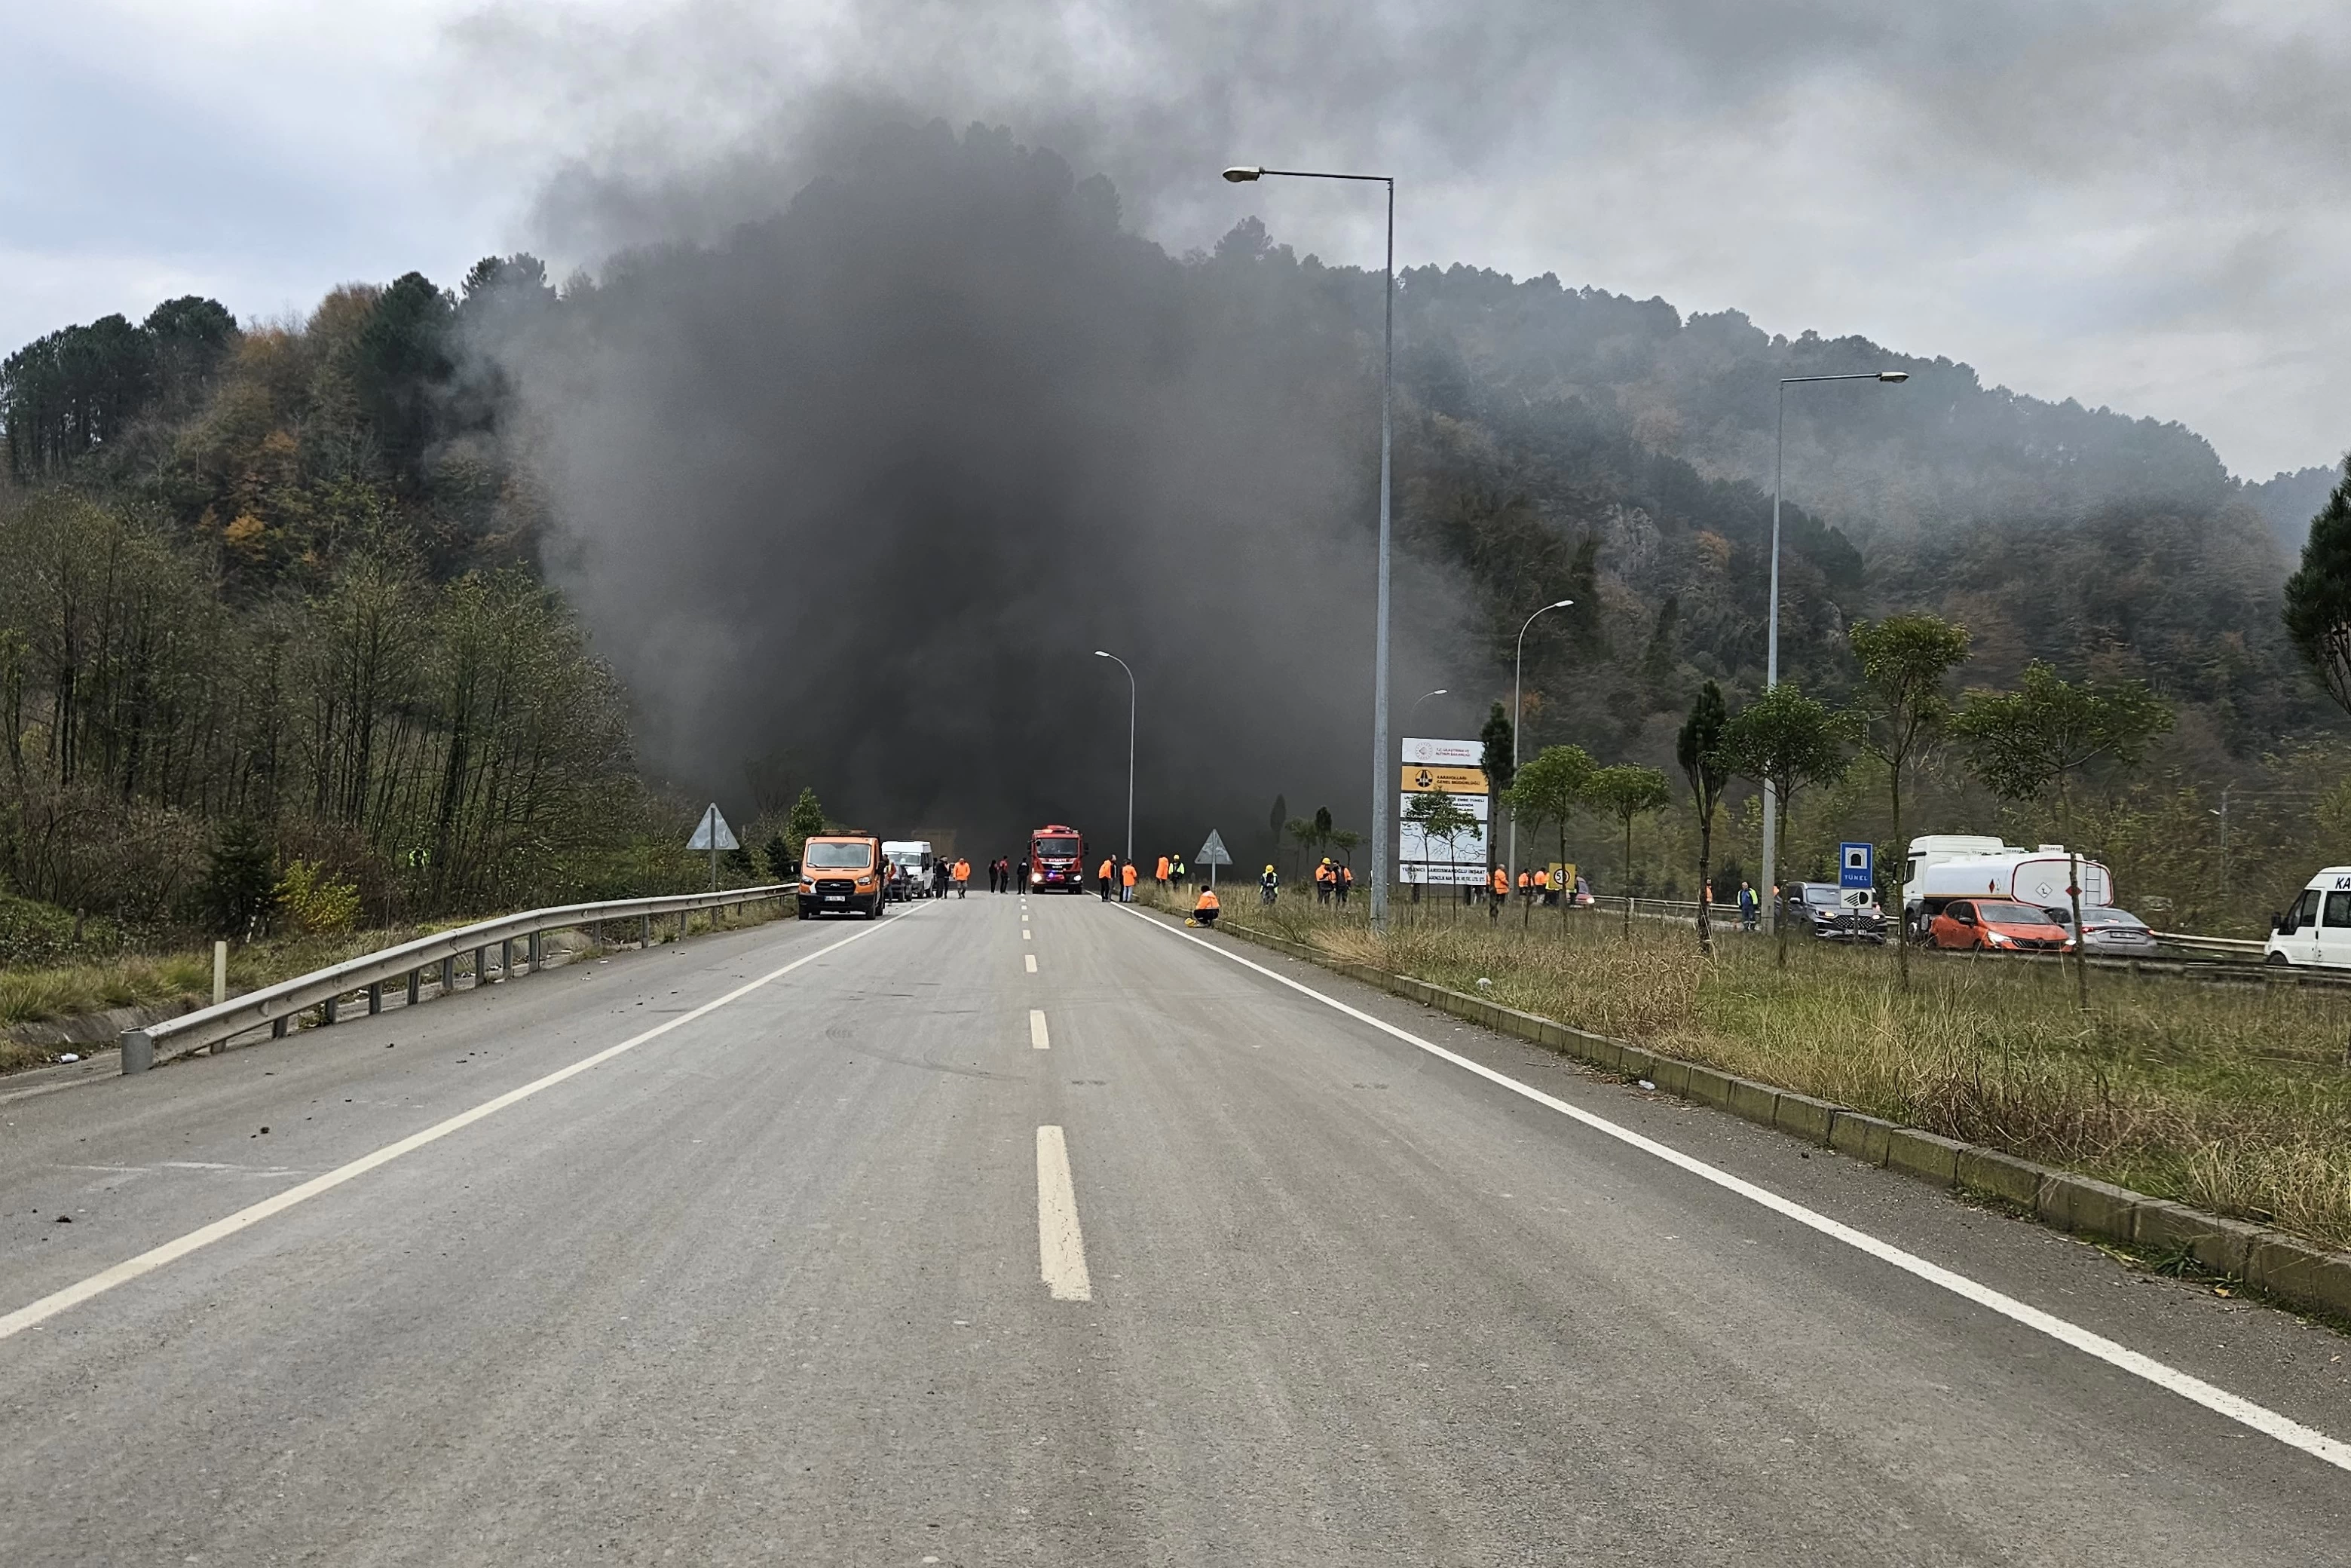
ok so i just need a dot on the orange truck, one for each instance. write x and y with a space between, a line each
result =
842 873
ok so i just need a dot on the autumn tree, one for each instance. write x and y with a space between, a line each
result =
2035 740
1787 740
1548 791
1901 707
1438 815
1627 793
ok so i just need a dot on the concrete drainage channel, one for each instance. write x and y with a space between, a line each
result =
279 1007
2290 1270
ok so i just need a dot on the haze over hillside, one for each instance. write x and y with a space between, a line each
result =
853 491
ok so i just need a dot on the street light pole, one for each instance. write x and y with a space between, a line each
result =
1381 761
1518 715
1771 639
1122 663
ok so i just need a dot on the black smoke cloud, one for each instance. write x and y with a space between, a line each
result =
865 483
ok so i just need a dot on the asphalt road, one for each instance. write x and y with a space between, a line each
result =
919 1253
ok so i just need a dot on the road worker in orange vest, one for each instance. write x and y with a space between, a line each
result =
1108 873
1163 873
962 876
1205 909
1500 886
1126 876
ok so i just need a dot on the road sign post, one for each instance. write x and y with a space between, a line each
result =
1213 854
713 834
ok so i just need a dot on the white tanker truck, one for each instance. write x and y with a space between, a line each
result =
1951 866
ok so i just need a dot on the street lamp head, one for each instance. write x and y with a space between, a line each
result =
1242 173
1100 654
1441 691
1893 376
1563 604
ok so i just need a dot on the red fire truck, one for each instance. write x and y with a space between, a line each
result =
1057 860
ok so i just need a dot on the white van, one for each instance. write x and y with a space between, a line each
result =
2317 929
910 864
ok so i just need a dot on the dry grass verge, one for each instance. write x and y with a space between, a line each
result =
2234 1098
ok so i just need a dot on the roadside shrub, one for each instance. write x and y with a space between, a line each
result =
34 934
317 904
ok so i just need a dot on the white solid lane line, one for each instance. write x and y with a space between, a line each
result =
1031 960
172 1252
1038 1039
1060 1245
2218 1400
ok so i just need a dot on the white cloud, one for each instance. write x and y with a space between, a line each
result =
2138 202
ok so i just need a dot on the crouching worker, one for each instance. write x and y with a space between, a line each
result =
1205 911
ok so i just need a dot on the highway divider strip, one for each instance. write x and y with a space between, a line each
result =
2284 1267
33 1313
2235 1407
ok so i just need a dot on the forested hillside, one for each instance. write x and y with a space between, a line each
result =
277 587
304 583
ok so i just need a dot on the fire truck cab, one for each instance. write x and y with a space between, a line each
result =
1057 860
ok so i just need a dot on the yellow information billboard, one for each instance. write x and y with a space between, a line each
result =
1419 780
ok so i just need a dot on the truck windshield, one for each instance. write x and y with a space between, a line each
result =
1057 849
840 857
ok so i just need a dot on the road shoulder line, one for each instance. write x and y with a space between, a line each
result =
2219 1401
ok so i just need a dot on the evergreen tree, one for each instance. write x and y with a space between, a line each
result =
807 818
2318 596
241 893
1699 750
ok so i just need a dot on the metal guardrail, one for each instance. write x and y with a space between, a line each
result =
2225 945
274 1007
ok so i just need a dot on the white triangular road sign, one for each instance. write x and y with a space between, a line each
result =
1214 852
713 825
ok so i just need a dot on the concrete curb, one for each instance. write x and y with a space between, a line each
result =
2283 1267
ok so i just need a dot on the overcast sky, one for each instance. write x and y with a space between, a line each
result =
2144 204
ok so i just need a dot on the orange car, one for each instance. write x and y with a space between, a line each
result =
1998 925
841 873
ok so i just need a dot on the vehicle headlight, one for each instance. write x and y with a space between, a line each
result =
808 884
1995 939
1036 876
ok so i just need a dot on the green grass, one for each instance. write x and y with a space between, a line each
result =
2234 1098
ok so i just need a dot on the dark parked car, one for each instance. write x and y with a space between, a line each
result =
1822 909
